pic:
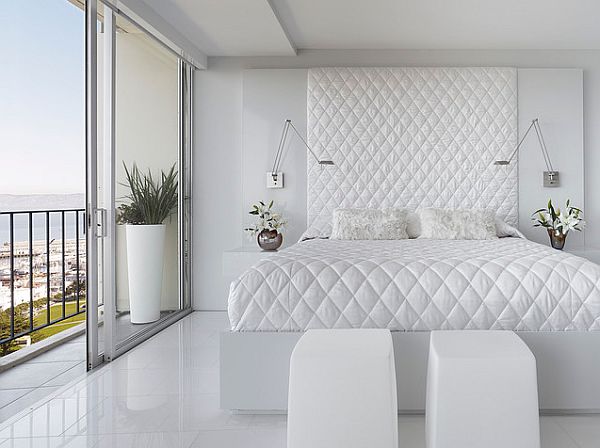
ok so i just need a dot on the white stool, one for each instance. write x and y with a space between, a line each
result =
342 391
481 391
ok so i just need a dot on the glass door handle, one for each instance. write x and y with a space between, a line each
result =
99 226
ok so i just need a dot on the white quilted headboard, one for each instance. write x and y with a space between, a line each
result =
411 137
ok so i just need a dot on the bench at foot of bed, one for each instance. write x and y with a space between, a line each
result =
255 370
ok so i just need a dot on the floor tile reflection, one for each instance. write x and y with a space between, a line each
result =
164 393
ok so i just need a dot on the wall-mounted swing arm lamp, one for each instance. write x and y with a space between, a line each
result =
275 177
551 177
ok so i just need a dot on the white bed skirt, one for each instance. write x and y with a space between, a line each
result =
255 370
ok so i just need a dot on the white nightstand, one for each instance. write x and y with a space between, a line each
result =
238 260
591 254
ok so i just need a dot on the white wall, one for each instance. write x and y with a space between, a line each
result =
219 151
217 181
556 97
146 134
270 97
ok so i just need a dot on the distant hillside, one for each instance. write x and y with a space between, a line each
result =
13 202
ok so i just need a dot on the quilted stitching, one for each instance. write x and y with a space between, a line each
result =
411 137
414 285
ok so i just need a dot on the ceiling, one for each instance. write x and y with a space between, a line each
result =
227 27
278 27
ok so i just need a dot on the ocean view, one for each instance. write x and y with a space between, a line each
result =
36 285
26 202
40 202
21 227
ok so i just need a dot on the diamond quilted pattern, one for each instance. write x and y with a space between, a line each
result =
414 285
411 137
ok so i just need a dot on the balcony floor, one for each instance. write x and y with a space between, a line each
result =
165 393
27 383
24 385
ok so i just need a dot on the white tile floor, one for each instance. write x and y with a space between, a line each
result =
165 394
26 384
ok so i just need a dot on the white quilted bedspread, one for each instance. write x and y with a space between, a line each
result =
417 285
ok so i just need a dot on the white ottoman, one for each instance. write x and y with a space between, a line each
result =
342 391
481 391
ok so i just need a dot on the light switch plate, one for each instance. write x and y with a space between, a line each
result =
551 179
275 180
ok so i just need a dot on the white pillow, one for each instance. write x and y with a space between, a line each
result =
320 229
458 224
504 230
369 224
414 224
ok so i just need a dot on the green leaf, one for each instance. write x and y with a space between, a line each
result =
151 201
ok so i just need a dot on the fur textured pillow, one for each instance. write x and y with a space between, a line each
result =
458 224
369 224
414 224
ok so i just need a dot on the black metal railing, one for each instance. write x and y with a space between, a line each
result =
41 269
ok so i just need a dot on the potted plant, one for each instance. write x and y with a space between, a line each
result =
151 202
268 228
558 223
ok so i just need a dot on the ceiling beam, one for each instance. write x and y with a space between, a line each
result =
282 25
156 24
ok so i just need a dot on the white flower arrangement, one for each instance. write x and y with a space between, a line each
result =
560 222
267 219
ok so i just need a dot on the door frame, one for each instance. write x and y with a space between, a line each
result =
109 270
94 352
101 222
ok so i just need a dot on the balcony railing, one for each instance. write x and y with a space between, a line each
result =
42 271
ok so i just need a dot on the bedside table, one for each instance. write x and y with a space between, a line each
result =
238 260
591 254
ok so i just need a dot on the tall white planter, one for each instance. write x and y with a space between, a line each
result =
145 261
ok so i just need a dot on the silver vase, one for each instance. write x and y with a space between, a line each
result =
269 239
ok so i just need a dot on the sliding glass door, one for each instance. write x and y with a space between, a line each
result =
139 184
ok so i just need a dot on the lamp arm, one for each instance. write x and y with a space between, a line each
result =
303 141
278 154
542 142
514 153
535 124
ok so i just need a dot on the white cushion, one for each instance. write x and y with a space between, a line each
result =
481 391
369 224
413 227
457 224
503 230
342 390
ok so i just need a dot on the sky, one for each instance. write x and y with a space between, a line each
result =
42 97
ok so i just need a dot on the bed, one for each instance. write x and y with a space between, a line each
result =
418 285
551 298
413 138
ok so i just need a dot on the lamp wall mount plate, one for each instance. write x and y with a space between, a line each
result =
274 180
551 179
